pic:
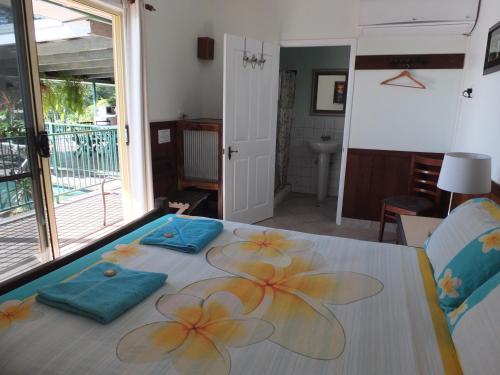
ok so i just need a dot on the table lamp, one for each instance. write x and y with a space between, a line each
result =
465 173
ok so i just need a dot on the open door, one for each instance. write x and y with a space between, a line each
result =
251 73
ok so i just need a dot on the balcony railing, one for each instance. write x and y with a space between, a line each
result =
82 156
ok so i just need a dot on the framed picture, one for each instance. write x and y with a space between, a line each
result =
329 92
492 60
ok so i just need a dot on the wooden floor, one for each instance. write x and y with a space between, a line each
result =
80 221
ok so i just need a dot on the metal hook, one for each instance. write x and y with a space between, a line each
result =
245 54
254 61
262 60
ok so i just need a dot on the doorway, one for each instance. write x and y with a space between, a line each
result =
299 202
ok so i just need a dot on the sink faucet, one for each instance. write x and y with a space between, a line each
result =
326 138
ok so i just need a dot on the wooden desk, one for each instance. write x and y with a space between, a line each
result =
414 230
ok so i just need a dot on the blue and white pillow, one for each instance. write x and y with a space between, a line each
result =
475 329
465 224
469 269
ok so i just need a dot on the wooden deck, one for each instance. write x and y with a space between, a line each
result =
80 221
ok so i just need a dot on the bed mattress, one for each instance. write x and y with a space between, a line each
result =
256 301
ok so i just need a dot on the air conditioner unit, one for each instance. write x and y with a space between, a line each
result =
417 16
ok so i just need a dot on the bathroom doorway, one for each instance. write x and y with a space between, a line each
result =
315 100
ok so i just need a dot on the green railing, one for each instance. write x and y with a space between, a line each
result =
82 156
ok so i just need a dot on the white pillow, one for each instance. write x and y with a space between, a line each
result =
463 225
475 327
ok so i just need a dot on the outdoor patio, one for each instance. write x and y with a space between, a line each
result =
80 220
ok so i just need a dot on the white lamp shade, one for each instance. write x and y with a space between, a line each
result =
465 173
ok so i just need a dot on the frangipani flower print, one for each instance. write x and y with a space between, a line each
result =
291 298
196 337
15 311
455 314
121 253
274 247
449 285
491 241
492 208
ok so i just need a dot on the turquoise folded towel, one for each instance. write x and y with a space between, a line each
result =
103 292
186 235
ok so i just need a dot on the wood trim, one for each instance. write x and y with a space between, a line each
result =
211 125
163 159
396 62
53 265
495 192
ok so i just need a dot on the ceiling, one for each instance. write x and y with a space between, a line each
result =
69 43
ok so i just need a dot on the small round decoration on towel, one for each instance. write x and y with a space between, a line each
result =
168 235
110 273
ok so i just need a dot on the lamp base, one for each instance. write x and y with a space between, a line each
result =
451 200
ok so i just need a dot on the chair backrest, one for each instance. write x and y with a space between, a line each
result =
425 175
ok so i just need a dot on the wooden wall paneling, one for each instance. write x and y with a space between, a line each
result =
429 61
458 199
373 175
164 161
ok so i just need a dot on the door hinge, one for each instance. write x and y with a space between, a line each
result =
43 144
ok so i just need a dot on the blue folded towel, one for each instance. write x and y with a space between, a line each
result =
100 297
186 235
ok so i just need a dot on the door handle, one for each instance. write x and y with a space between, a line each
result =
230 152
43 144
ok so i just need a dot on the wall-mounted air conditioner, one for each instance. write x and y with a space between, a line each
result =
417 16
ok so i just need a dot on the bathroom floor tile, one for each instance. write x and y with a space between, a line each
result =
303 213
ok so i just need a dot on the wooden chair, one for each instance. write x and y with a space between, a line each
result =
425 196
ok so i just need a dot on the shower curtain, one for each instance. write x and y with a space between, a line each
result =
285 120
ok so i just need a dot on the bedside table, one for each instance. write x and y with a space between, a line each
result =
414 230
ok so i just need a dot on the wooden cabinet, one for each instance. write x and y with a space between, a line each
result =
199 156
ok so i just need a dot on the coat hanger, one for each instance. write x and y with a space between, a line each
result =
407 74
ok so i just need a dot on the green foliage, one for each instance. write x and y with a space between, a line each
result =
72 101
63 100
11 115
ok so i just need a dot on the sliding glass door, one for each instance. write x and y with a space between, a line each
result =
24 229
78 58
63 155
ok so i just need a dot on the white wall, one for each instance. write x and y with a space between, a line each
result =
318 19
479 122
405 119
177 81
174 72
257 19
385 117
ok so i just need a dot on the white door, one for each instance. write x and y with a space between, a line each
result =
250 116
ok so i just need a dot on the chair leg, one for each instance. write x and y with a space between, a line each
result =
382 225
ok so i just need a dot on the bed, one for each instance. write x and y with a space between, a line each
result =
256 301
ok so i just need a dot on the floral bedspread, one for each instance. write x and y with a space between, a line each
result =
257 301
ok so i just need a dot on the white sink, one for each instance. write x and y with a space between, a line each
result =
324 149
327 147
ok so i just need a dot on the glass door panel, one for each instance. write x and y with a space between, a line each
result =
76 59
23 236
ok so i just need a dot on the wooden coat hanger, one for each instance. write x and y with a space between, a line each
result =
408 75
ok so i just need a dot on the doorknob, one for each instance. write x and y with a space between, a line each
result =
231 152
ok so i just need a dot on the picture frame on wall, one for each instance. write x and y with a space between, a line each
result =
492 59
329 92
